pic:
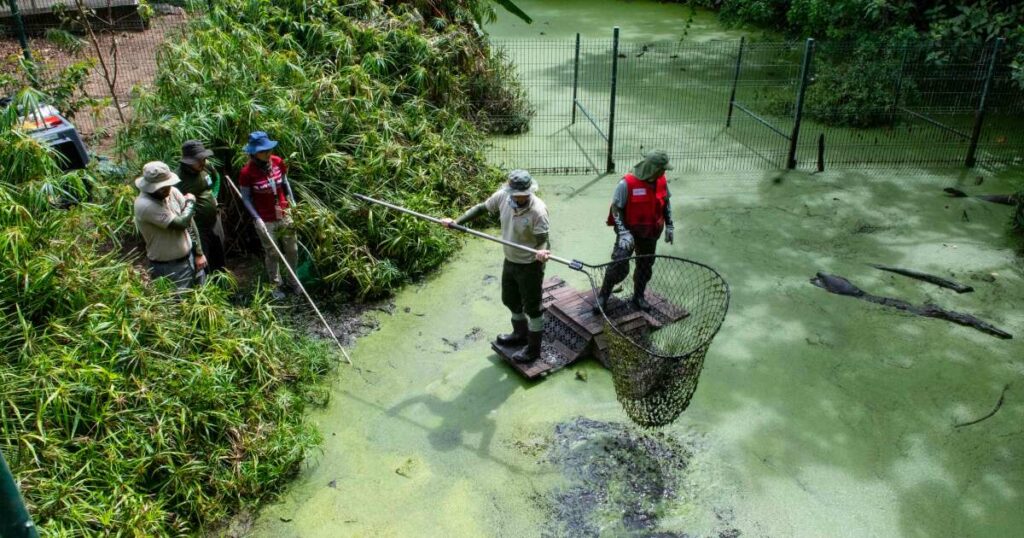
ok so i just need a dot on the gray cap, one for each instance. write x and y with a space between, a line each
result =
520 181
155 176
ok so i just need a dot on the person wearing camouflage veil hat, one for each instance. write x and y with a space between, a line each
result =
524 220
639 213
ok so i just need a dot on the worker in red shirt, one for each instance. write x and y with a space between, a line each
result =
640 212
267 196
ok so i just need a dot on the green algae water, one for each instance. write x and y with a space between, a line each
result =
816 415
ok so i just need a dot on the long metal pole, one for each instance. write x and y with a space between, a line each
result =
899 83
295 278
735 81
461 228
611 114
19 25
979 115
798 115
575 78
14 519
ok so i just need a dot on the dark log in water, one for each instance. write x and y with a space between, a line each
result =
937 280
841 286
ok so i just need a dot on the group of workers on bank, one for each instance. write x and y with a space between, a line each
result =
177 216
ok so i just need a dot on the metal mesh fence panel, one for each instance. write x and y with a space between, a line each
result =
122 56
554 142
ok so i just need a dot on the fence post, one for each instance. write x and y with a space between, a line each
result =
801 92
14 519
611 115
575 78
735 81
899 83
19 25
979 115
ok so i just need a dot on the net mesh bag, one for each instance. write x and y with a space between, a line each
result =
656 354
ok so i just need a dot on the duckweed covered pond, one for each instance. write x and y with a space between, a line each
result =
816 415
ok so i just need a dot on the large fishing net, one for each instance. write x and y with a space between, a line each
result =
656 353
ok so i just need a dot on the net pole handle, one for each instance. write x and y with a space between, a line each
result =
571 263
295 278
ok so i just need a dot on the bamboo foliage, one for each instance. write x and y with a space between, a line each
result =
125 406
361 100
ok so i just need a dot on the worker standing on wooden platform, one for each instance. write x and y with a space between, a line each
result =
639 212
524 220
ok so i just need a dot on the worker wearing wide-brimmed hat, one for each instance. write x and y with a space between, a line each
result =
267 196
164 217
524 220
640 212
201 180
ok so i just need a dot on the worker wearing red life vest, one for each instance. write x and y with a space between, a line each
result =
640 212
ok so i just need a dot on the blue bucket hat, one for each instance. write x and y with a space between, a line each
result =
259 141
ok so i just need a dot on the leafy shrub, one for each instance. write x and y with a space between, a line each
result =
125 405
362 99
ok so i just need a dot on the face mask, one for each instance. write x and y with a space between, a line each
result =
517 204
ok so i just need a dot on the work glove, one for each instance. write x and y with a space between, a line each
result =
261 226
670 234
625 241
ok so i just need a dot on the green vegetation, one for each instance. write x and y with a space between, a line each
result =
392 103
127 405
124 405
854 81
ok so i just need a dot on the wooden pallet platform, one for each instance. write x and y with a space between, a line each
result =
573 330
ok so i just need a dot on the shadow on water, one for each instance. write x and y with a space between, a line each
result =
469 412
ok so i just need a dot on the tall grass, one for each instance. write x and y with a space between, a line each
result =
362 99
126 407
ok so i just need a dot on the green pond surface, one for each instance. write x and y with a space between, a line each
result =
816 414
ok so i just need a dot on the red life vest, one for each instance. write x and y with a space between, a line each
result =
645 206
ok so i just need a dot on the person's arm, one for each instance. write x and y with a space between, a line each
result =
247 202
618 210
472 213
215 186
670 229
184 219
197 244
288 190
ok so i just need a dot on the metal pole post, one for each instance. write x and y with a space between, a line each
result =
19 25
575 78
899 84
735 81
979 115
14 519
805 73
611 115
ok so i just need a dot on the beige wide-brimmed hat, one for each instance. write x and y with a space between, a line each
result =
155 176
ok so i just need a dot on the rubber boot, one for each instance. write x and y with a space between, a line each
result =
532 350
639 301
518 335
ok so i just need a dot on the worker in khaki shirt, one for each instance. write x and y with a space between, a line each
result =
164 218
524 221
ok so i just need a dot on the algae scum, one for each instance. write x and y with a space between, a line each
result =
621 479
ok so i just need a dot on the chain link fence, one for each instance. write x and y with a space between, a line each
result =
600 104
761 105
111 44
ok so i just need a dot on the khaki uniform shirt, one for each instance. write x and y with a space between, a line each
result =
519 226
152 217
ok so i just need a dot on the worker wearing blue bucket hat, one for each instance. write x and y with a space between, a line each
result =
267 196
